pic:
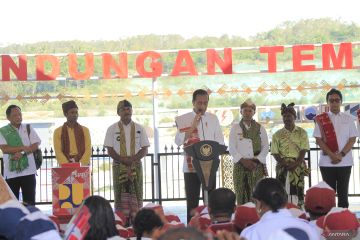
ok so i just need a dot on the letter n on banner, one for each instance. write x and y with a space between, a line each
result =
224 64
120 69
8 63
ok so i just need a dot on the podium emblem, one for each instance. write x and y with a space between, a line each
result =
206 150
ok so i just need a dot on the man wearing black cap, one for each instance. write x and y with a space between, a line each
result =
72 141
288 147
127 143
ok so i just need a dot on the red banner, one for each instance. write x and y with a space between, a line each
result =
149 64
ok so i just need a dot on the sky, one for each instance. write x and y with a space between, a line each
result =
24 21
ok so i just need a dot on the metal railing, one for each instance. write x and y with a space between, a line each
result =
163 179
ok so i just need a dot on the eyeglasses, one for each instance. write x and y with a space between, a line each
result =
335 100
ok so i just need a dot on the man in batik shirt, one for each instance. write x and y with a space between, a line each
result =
288 147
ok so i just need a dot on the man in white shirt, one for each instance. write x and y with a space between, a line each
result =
197 125
335 165
18 147
249 146
127 143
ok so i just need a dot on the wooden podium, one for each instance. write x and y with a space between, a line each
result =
206 161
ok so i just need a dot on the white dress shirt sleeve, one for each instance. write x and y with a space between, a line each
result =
179 138
34 138
353 131
144 141
317 132
109 137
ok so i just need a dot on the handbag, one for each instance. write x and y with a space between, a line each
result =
37 153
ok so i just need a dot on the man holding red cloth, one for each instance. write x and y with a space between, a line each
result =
336 133
193 127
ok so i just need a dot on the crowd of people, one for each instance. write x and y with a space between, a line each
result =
259 208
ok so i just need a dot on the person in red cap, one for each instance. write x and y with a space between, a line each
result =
270 199
339 222
319 200
72 141
221 207
245 215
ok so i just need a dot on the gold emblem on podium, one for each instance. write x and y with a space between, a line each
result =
206 150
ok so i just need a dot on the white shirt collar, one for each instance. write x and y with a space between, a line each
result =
125 124
333 114
281 213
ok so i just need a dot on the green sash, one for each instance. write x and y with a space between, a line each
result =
13 139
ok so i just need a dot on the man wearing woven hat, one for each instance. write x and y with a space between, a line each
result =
72 141
288 147
249 146
127 143
18 146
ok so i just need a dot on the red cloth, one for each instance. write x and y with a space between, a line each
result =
245 215
126 232
194 138
228 226
327 131
200 222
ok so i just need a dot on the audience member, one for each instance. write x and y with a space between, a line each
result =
319 200
147 224
102 220
245 215
341 221
270 200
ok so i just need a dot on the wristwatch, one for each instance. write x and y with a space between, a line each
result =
342 153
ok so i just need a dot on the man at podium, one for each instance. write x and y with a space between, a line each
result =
193 127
